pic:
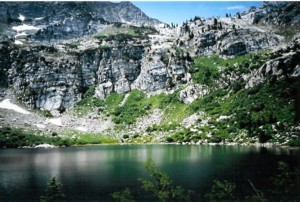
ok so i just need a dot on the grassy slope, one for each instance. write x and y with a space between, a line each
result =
16 137
256 114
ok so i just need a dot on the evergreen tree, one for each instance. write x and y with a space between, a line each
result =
53 192
215 23
8 17
208 27
220 26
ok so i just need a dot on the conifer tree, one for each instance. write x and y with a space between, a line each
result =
53 192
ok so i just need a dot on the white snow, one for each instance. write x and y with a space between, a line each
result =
21 35
124 100
39 18
80 128
47 146
17 42
21 17
40 125
24 27
6 104
54 121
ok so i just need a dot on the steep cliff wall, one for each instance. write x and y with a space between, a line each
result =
44 77
56 75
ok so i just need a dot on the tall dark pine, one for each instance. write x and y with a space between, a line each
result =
53 192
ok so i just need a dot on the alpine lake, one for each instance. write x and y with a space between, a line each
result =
92 173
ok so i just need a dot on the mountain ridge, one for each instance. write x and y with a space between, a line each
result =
198 80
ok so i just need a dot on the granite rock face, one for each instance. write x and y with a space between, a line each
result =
53 63
193 92
124 12
224 36
285 64
279 13
55 81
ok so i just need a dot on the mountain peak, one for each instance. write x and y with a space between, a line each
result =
126 3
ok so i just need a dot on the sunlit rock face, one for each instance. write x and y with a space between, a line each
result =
286 63
56 81
50 53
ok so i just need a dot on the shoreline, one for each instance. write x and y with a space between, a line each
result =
266 145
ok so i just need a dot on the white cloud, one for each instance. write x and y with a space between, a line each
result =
235 8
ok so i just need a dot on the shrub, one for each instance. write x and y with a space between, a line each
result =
161 186
294 143
16 137
133 108
125 136
123 196
286 182
221 190
169 139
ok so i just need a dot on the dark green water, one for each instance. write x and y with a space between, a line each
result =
92 173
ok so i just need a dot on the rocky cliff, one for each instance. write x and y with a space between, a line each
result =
56 21
89 54
115 58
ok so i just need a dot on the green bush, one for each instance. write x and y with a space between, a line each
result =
169 139
286 183
89 102
133 108
89 138
112 101
15 137
294 143
221 191
123 196
161 186
162 127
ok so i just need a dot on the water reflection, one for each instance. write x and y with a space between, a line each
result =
92 173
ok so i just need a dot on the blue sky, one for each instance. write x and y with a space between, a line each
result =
180 11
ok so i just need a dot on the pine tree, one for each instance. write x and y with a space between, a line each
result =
53 192
215 23
220 26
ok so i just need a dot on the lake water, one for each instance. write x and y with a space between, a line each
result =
92 173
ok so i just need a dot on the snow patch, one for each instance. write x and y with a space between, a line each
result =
40 125
21 17
6 104
80 128
39 18
24 27
17 42
46 146
54 121
21 35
